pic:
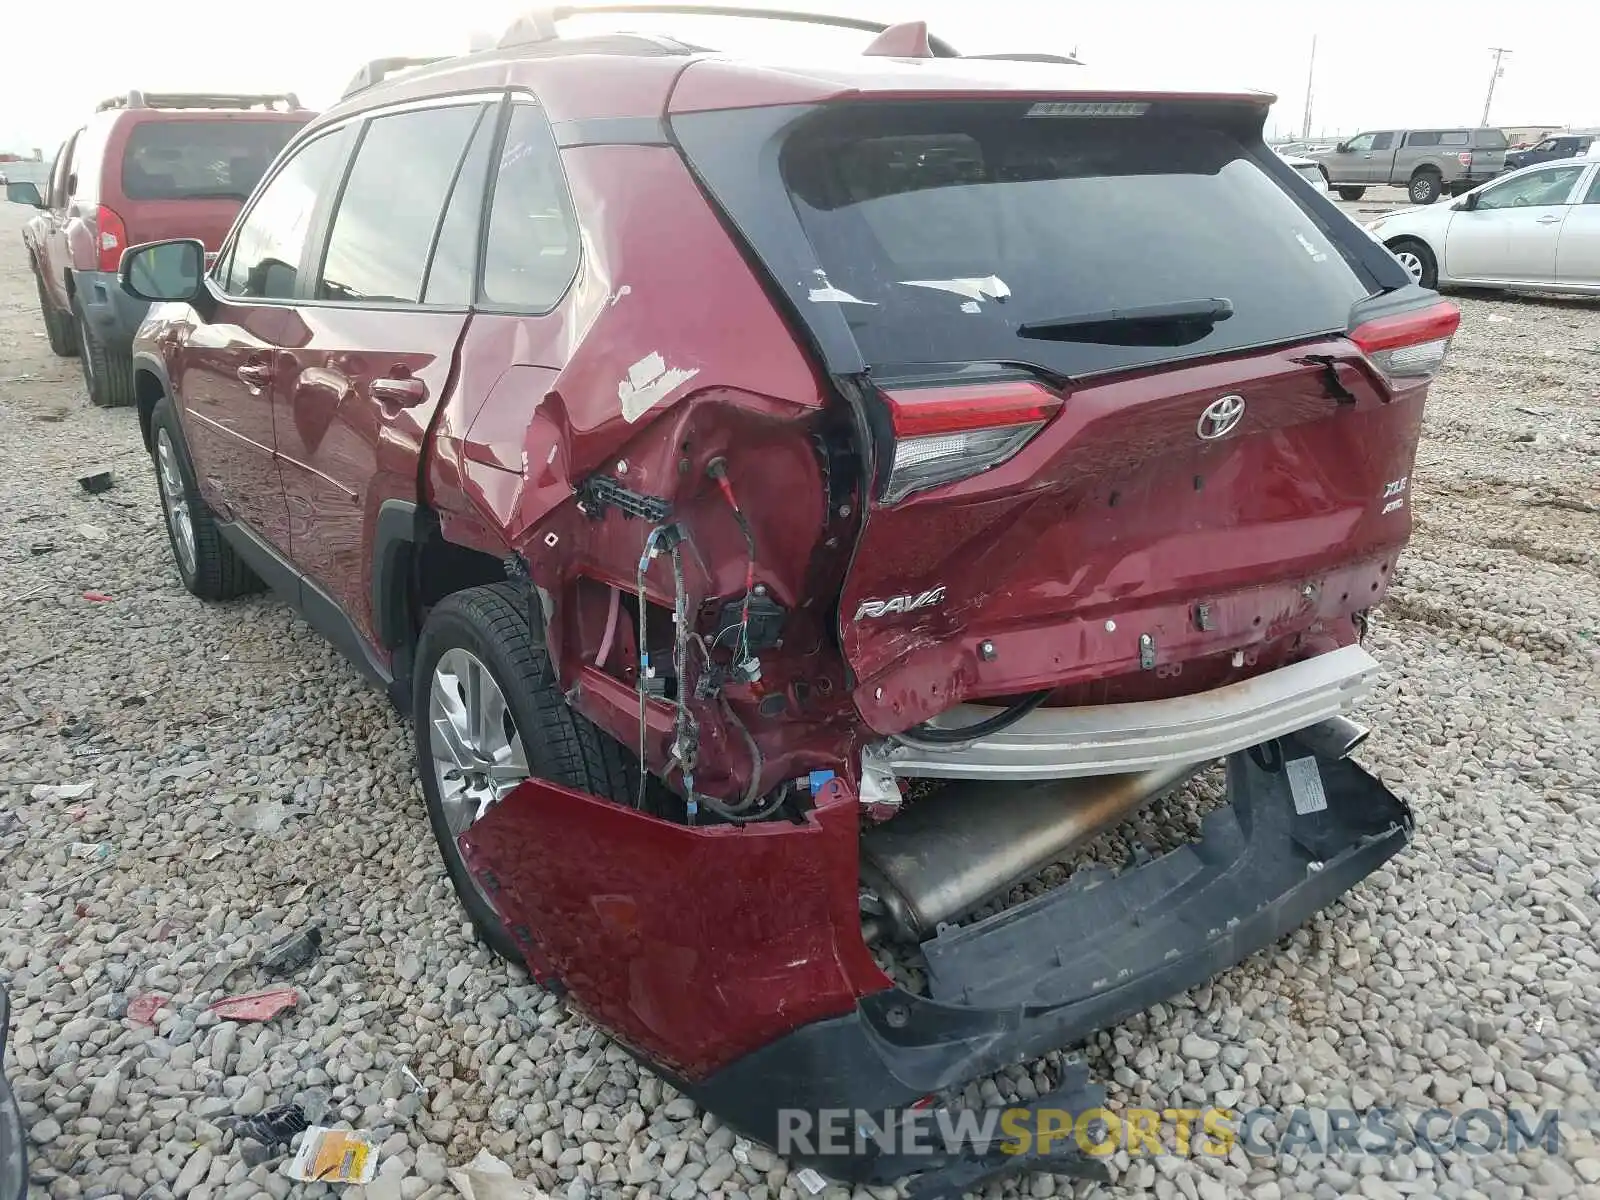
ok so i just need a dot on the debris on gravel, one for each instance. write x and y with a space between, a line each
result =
1464 974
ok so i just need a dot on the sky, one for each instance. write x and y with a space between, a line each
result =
1380 63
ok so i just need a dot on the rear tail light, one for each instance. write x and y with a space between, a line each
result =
113 238
1465 158
1409 348
947 433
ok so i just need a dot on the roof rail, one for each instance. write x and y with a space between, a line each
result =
379 69
138 99
1065 60
540 24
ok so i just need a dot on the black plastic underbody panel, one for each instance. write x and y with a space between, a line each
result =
1083 957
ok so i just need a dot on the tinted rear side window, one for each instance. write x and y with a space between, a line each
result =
1425 139
1453 139
531 253
942 228
187 160
392 204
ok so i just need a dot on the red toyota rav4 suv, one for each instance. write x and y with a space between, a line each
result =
700 450
145 166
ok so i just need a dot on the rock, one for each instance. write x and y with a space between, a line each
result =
1198 1048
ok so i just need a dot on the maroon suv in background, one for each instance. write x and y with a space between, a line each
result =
146 166
700 448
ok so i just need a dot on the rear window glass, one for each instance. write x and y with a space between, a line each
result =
1426 139
1489 139
1454 139
942 229
188 160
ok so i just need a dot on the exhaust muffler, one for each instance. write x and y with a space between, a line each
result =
947 854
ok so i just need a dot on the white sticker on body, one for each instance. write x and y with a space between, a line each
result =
649 381
1305 785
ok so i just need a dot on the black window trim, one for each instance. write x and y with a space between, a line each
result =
514 97
322 229
449 198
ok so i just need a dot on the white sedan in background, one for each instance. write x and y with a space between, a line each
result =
1535 229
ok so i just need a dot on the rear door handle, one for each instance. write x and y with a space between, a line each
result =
1551 220
405 392
257 375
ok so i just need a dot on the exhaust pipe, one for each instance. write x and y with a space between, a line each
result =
1334 739
947 854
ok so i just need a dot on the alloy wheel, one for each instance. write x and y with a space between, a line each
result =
169 479
477 749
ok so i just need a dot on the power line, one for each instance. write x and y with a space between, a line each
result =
1499 53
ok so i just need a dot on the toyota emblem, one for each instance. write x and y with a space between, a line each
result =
1220 417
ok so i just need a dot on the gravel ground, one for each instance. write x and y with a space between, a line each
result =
246 784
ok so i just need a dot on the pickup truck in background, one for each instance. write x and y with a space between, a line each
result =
1428 163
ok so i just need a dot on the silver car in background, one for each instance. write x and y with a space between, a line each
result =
1537 229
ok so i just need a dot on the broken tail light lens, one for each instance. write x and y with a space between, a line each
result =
947 433
113 238
1409 348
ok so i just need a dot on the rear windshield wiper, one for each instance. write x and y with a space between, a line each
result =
1175 324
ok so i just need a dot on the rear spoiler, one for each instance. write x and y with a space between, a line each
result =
137 99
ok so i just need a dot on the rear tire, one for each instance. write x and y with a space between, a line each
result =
486 629
1426 187
1417 259
107 375
1351 193
57 326
207 565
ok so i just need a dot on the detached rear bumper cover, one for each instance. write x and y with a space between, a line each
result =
1108 739
1090 954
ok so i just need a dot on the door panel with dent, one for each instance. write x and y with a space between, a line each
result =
369 348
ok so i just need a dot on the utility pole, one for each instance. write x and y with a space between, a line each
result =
1311 70
1499 53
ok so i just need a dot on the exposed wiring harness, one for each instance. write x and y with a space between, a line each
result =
929 735
686 733
717 469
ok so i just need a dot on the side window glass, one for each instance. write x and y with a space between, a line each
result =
532 250
1594 191
1358 144
384 227
455 254
62 172
1536 188
1422 139
265 261
1453 139
1382 141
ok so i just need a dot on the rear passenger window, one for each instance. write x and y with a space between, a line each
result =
455 255
265 262
392 204
1383 141
1594 191
532 250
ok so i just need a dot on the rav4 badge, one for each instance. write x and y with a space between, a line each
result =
901 604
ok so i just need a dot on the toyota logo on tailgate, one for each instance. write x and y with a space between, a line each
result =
1220 417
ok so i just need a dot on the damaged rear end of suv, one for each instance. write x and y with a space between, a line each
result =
1097 459
798 505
